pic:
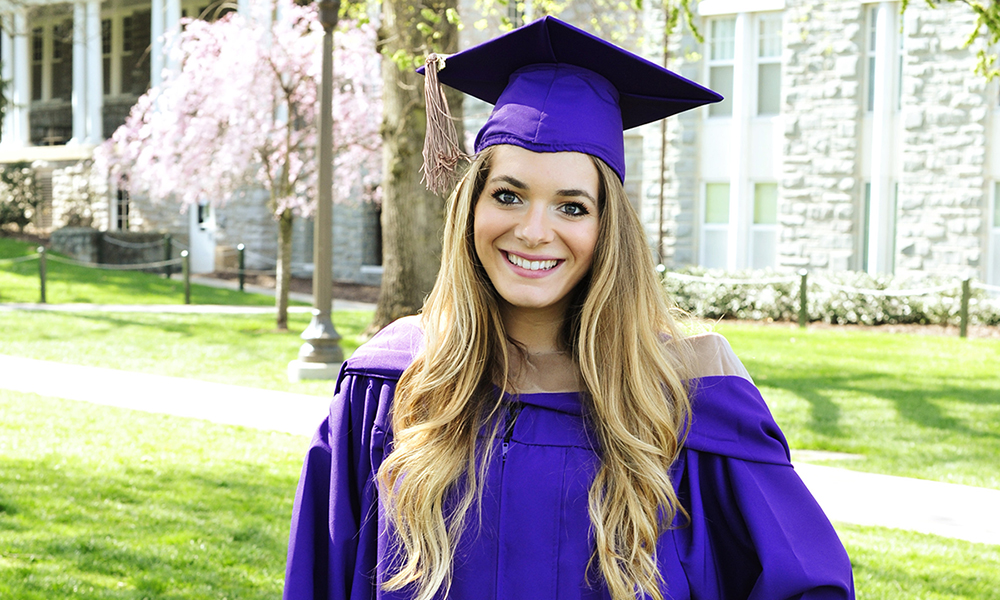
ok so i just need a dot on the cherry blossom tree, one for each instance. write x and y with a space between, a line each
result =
240 111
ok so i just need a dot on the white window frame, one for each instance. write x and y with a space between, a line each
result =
756 228
993 243
760 21
725 228
714 62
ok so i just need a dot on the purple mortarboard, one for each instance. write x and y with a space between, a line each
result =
555 88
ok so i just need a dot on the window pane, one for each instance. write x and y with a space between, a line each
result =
765 248
723 45
769 89
720 79
996 204
765 204
769 45
715 249
717 203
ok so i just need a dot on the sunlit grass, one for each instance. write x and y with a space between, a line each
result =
67 283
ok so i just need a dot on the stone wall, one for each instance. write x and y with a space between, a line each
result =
942 202
821 192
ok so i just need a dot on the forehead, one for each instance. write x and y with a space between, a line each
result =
544 170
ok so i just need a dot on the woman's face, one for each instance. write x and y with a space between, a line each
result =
536 225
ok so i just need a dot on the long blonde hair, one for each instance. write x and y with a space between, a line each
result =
638 401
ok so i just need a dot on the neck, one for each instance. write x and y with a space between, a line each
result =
537 330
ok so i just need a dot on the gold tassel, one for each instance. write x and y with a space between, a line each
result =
441 149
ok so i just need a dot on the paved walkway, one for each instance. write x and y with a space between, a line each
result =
949 510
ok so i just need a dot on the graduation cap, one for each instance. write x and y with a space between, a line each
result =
555 88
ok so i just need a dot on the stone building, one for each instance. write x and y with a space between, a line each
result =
852 137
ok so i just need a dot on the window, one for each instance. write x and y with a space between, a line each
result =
62 60
121 209
769 64
715 226
871 14
106 54
866 222
874 53
721 64
994 275
764 230
37 62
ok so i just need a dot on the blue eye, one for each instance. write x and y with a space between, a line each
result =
575 209
505 196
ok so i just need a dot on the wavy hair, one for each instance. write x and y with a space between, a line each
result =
637 400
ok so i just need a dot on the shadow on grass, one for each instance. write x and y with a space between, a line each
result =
143 529
918 405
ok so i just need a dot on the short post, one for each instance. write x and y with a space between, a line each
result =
243 271
803 298
963 315
41 271
186 270
167 251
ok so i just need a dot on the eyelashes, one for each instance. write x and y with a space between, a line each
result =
506 197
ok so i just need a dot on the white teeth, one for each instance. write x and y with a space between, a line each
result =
532 265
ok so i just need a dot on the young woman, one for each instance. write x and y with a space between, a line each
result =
543 429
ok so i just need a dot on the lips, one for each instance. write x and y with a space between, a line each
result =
531 265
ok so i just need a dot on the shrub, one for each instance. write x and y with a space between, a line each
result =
837 298
19 195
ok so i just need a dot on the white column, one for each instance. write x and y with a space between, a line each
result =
880 259
739 149
7 73
95 74
172 23
79 98
20 101
156 43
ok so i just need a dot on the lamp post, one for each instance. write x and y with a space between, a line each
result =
320 355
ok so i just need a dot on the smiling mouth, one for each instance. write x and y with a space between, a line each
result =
531 265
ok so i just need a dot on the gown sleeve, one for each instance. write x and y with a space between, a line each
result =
333 544
754 530
333 541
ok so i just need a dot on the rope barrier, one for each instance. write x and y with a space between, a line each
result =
887 293
261 257
19 259
725 281
986 287
133 267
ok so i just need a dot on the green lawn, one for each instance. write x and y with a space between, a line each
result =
19 282
105 503
235 349
913 405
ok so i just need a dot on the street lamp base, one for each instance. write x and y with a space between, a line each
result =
299 370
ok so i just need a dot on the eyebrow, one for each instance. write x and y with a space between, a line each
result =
567 193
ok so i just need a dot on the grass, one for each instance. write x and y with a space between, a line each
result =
19 282
234 349
100 503
913 405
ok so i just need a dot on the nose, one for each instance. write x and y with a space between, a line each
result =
534 228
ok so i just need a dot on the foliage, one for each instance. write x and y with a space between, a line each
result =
838 298
988 19
83 193
20 197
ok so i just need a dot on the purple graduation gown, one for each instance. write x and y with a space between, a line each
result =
755 531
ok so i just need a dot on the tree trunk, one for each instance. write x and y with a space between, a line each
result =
284 268
412 217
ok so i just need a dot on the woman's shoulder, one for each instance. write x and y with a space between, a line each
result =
710 355
390 351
